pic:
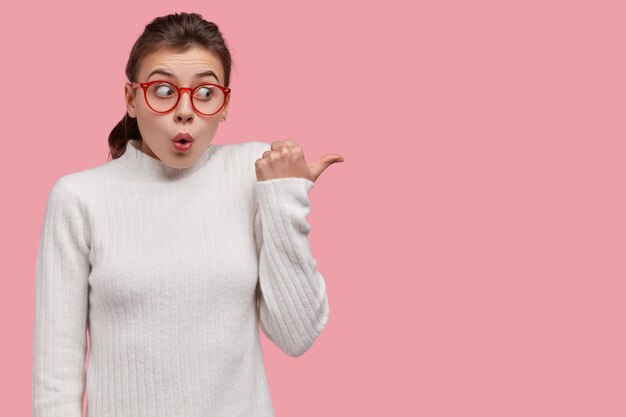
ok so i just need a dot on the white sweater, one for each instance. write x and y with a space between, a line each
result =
171 271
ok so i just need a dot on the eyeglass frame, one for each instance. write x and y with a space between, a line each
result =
180 90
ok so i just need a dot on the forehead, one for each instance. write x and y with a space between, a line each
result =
184 65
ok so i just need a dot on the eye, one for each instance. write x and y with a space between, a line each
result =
205 92
163 90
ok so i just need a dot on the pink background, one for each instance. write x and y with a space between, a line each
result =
473 240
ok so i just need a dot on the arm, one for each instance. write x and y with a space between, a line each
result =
293 304
61 307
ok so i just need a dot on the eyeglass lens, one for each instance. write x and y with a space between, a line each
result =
162 97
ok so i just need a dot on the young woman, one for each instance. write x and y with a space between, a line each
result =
172 254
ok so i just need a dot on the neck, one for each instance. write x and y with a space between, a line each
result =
141 165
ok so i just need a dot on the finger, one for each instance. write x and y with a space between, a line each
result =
290 143
277 145
280 144
276 153
324 162
331 158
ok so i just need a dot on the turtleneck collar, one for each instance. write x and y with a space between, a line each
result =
141 165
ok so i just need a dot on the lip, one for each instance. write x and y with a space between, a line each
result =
183 136
180 147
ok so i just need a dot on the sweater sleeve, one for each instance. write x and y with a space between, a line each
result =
61 307
292 300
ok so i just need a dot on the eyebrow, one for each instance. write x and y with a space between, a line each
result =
208 73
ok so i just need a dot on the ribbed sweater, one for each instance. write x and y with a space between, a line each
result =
171 272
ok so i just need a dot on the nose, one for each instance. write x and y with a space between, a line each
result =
184 109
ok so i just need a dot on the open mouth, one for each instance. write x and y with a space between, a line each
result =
182 144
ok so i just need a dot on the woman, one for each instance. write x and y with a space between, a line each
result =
174 252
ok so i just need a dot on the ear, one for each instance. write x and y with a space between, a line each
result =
129 98
225 109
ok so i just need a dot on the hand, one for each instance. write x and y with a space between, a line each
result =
286 159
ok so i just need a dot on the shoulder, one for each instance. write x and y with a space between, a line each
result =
79 188
259 146
66 195
80 183
250 148
65 203
242 154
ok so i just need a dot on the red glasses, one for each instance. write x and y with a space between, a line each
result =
163 96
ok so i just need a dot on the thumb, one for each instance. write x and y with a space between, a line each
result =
324 162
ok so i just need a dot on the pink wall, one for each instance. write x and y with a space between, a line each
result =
473 239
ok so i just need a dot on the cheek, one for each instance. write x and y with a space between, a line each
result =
211 126
149 123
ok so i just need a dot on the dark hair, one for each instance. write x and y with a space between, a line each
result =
180 32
